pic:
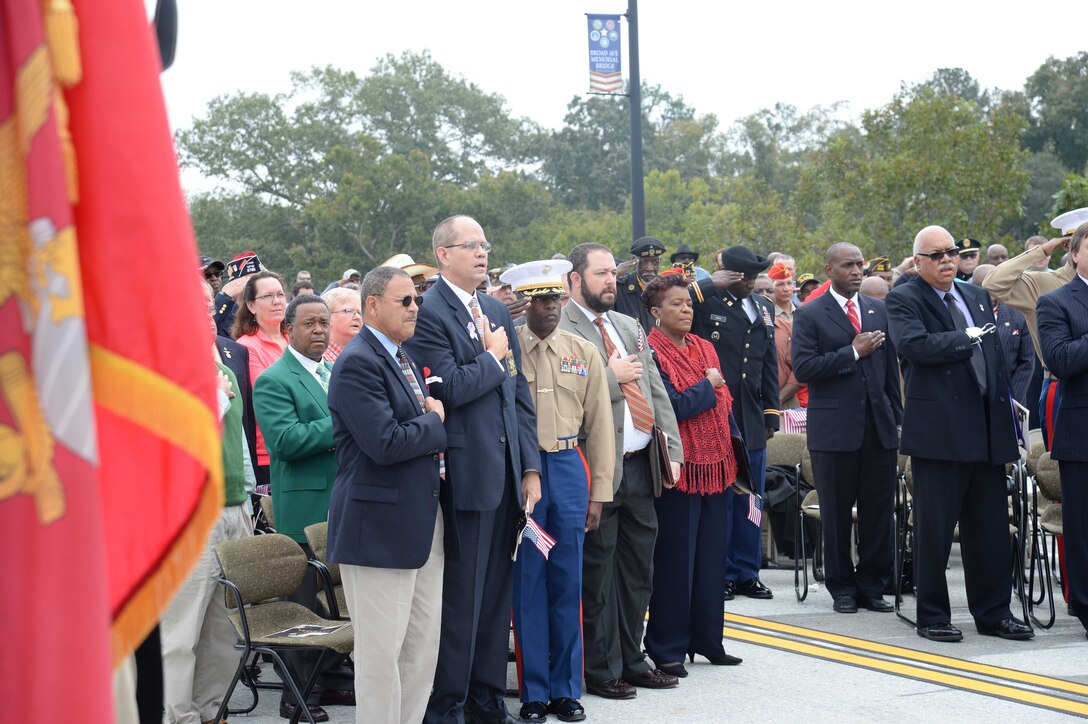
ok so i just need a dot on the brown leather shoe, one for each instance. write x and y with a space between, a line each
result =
345 697
612 689
653 679
288 710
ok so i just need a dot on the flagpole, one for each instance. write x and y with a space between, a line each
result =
638 201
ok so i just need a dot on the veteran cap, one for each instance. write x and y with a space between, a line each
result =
779 272
968 246
806 278
744 260
647 246
879 264
244 264
537 278
1070 220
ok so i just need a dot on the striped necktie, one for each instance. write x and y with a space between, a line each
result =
852 315
323 376
406 368
641 414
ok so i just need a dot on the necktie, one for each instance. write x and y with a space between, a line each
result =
852 315
323 376
406 368
476 317
641 414
545 397
978 360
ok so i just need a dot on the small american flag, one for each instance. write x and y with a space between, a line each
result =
539 537
755 513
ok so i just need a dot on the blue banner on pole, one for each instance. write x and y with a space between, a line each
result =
605 69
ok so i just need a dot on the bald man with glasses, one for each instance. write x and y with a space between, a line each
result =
958 430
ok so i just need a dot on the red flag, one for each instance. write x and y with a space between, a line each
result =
110 469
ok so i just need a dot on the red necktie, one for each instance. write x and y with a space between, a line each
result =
852 315
641 414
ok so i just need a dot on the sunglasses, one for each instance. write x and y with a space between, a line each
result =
406 301
938 255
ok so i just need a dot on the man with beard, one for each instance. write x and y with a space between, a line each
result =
740 325
573 413
958 430
854 411
646 252
618 556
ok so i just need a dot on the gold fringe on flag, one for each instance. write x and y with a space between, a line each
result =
62 36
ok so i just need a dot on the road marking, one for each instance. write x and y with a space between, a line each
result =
820 645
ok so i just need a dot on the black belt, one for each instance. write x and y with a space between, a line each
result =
635 454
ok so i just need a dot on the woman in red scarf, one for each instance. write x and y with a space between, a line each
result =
689 559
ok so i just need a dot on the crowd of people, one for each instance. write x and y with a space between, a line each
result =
614 418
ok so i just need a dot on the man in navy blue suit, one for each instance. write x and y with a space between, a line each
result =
840 349
385 526
958 430
1062 316
466 343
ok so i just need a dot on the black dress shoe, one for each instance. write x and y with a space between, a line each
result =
612 689
845 604
674 669
534 711
1009 628
940 632
723 659
875 604
653 679
345 697
567 709
288 710
730 587
753 589
473 718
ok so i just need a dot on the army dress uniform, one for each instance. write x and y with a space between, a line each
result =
742 332
629 287
567 381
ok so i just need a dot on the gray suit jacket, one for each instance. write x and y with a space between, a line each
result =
573 321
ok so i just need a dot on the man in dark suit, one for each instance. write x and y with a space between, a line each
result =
385 526
1015 339
466 344
618 556
958 430
740 325
1063 335
840 349
236 357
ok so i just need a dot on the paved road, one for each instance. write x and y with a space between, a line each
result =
803 662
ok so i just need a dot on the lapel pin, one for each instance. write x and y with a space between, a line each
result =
870 311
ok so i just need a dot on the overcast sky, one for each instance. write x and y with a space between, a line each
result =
729 59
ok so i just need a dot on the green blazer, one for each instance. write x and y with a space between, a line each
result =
293 413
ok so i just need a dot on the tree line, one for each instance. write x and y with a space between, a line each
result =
346 170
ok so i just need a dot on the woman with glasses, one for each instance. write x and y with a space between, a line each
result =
347 319
260 328
689 558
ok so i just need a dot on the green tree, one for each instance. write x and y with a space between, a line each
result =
1056 96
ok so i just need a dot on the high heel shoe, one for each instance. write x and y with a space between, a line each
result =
723 660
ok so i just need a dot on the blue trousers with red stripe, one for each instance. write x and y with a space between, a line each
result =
548 593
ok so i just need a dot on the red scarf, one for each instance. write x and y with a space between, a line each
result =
709 466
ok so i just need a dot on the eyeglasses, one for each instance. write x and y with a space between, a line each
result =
277 296
352 313
938 255
211 275
406 301
472 246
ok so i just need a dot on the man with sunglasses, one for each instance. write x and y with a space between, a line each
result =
465 343
967 260
958 429
740 325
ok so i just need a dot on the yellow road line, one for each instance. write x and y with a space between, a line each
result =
905 653
912 671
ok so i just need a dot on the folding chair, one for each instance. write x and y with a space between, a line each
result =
783 450
807 508
257 572
331 598
903 531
